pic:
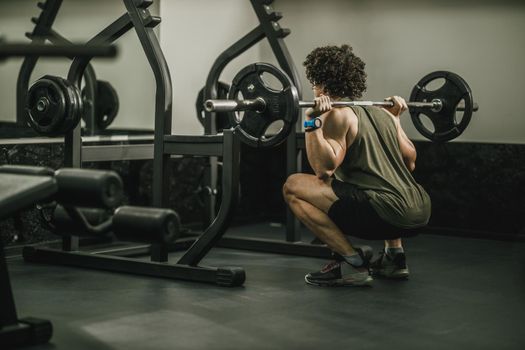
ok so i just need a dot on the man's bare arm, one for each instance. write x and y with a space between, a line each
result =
326 146
408 150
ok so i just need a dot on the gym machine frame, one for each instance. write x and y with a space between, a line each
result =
270 29
226 146
43 31
165 145
113 147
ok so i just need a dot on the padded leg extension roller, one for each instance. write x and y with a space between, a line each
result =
89 188
143 224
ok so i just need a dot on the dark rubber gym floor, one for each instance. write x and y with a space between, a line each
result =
462 294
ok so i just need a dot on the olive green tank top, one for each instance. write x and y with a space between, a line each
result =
374 164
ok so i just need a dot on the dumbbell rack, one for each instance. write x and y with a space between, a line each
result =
270 29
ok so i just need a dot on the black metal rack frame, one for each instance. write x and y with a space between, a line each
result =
226 146
165 145
270 29
186 268
41 33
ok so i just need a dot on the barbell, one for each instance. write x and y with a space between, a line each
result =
254 105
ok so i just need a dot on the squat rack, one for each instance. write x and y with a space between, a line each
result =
270 29
139 18
165 145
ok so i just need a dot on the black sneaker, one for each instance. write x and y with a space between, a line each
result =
340 273
365 251
386 266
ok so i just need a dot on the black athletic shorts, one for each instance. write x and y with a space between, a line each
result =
355 216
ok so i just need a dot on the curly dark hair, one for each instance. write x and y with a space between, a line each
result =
338 70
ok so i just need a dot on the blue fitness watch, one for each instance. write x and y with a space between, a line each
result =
312 124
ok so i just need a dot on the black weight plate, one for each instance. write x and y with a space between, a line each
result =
78 111
222 119
281 105
451 93
106 104
46 105
74 105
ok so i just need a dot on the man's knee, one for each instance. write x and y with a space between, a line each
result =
292 186
287 190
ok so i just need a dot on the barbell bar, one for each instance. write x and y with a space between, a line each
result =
259 104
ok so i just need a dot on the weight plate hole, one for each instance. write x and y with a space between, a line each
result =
458 116
273 129
271 82
239 115
435 84
427 123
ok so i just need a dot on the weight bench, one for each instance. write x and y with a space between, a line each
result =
20 188
18 192
97 192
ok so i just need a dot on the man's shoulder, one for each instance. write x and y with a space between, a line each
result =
342 115
340 121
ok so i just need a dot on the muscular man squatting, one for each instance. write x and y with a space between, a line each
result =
363 186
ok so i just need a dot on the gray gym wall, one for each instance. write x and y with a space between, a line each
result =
400 41
403 40
193 34
78 21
